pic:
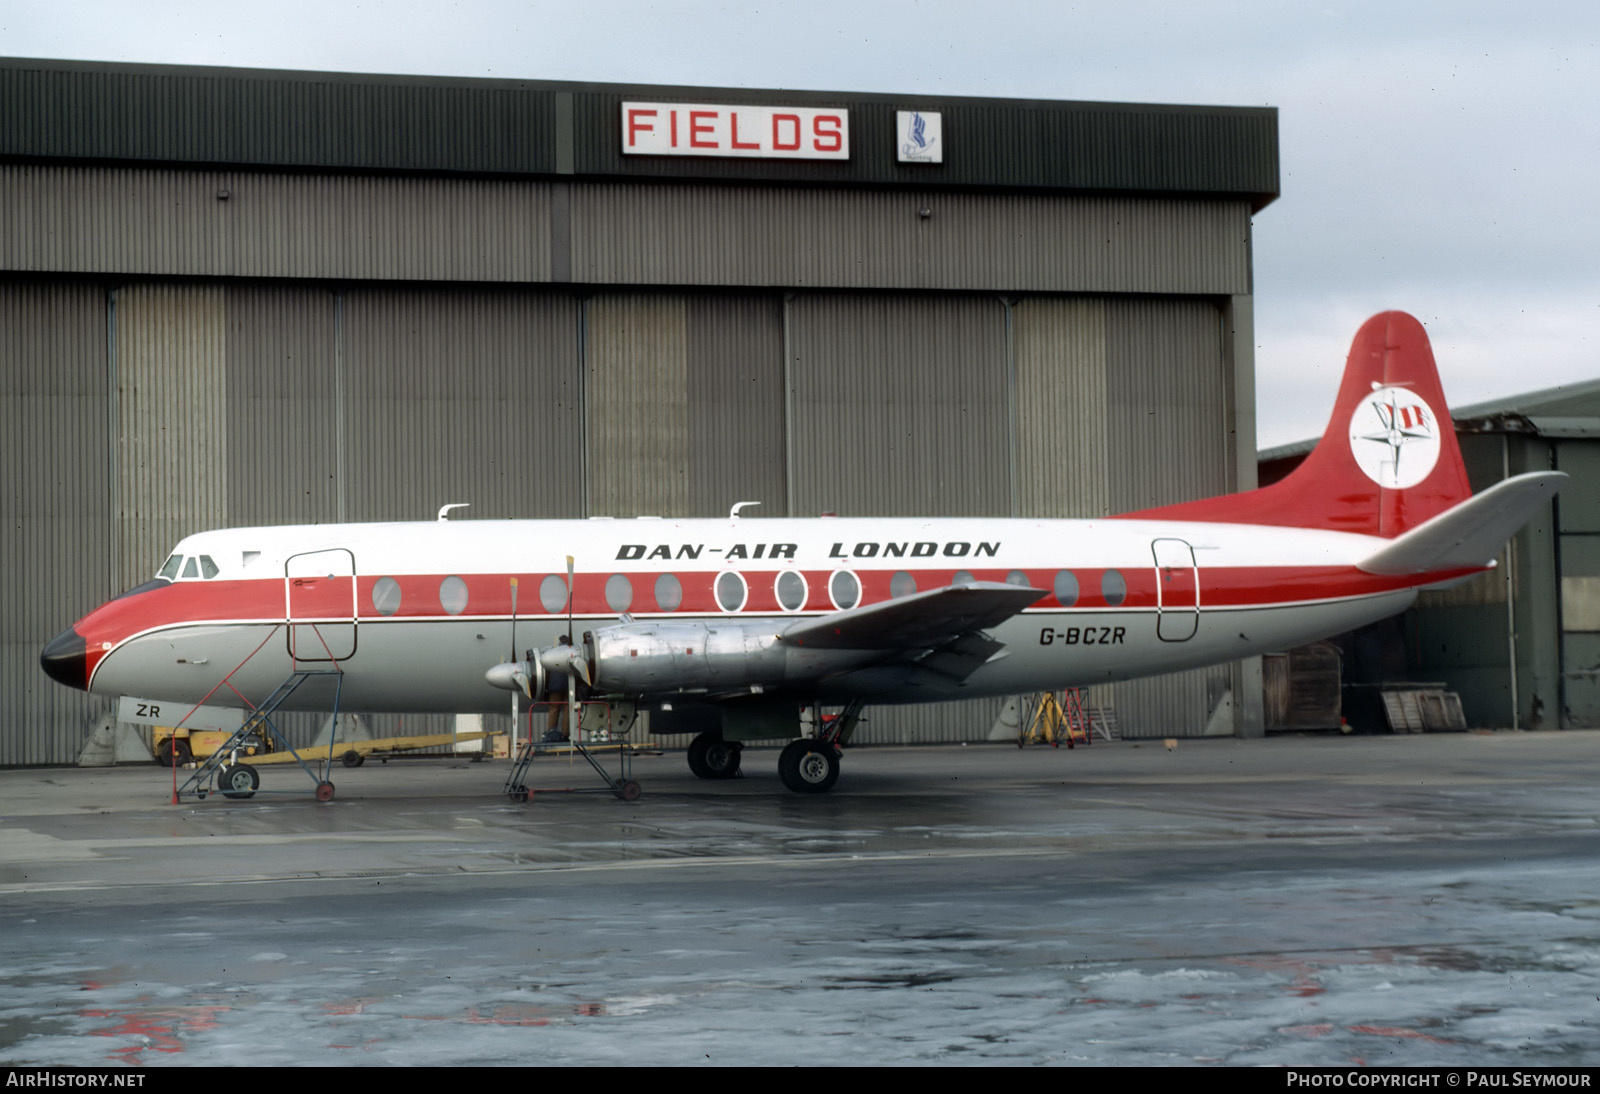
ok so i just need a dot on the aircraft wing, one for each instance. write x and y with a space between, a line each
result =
1470 534
917 622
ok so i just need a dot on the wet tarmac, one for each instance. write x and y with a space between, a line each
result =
1335 901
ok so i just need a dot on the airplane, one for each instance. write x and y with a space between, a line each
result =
729 628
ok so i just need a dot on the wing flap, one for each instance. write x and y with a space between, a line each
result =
1470 534
916 622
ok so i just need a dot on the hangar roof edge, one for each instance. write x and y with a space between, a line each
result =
288 119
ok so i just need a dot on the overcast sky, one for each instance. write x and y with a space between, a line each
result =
1438 157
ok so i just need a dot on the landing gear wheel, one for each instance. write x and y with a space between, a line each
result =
324 792
165 750
352 759
628 791
808 767
238 780
710 757
519 795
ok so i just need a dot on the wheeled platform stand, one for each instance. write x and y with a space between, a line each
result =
232 778
615 720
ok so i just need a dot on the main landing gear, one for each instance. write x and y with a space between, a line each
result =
807 766
710 757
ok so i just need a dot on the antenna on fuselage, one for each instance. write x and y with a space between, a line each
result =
733 513
445 509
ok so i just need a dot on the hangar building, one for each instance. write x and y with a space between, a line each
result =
236 297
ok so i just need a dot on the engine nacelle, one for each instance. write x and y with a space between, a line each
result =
662 657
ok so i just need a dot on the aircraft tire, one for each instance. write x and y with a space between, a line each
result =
238 781
166 748
710 757
808 767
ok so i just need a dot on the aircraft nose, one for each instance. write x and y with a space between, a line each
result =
65 660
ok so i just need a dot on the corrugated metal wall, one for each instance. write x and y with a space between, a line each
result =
1063 437
283 405
55 516
737 438
156 221
140 220
221 115
899 405
636 350
460 396
172 453
699 235
1166 393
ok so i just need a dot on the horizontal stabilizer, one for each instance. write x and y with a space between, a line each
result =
914 622
1470 534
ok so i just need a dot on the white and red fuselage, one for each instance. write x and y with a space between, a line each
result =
414 614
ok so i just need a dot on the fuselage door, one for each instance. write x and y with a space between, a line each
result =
320 605
1177 590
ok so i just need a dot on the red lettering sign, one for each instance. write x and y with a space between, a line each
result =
637 124
700 128
710 129
733 134
791 123
828 131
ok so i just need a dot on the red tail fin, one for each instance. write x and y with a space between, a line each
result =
1388 460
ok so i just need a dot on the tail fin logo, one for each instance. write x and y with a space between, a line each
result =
1394 436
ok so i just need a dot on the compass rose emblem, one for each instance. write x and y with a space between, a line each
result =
1394 437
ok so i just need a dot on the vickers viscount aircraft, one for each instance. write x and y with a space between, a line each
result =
729 628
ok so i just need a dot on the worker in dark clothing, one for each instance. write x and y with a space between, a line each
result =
557 719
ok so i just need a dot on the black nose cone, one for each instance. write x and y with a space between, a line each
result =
64 660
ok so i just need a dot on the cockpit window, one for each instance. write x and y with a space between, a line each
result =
191 568
207 567
170 569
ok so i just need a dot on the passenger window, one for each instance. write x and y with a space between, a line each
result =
1114 588
553 594
386 596
731 591
902 584
791 590
208 568
1066 588
845 589
453 595
669 593
191 568
619 592
170 569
